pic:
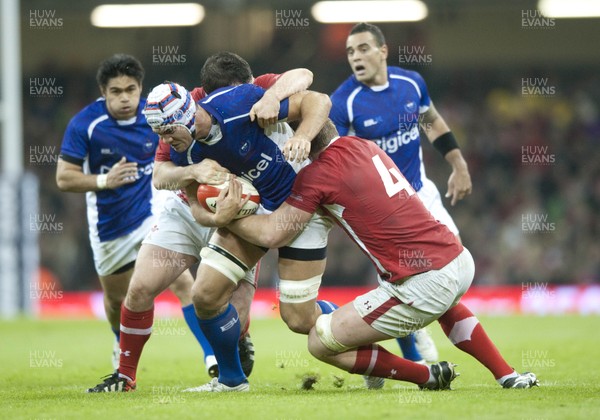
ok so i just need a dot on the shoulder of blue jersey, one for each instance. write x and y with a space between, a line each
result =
404 72
346 87
232 101
89 113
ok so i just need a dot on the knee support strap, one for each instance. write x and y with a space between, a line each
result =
224 262
299 291
325 334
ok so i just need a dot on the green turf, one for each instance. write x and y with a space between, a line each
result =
47 365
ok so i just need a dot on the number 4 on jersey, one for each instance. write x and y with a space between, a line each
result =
392 187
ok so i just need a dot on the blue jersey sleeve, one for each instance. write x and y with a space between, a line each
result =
339 113
284 109
425 99
75 144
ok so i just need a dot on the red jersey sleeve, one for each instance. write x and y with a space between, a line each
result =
198 93
265 81
311 187
163 152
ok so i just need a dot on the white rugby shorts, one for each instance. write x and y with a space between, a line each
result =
315 233
431 198
109 256
400 309
177 230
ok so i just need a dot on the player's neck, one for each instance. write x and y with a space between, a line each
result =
315 153
380 79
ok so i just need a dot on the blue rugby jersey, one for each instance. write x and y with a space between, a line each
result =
388 115
242 146
96 141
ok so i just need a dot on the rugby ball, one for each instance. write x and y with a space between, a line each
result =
207 197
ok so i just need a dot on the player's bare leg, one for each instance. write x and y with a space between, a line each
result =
300 317
115 289
343 339
156 270
153 274
224 263
242 299
182 287
212 291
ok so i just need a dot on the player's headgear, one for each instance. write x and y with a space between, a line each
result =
170 104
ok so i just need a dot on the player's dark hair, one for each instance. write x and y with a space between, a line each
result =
321 140
367 27
119 65
224 69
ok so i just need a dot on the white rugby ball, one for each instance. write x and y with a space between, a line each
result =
207 197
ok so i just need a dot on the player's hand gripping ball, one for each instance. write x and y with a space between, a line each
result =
207 197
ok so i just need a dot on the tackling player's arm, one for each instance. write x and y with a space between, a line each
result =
439 134
293 81
70 176
229 202
168 176
274 230
312 109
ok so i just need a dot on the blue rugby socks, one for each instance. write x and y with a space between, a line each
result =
223 333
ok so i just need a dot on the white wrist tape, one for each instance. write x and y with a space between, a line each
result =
102 181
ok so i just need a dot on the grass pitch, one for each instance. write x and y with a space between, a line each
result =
47 365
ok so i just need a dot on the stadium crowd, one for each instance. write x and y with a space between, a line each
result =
533 157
